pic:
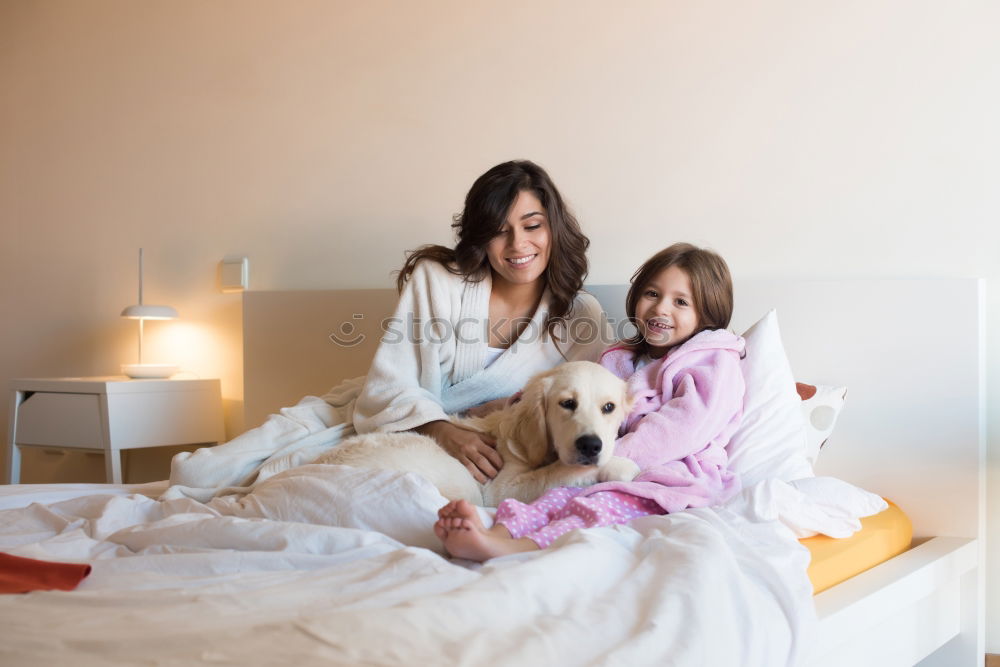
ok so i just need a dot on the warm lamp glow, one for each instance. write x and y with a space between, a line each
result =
143 312
192 345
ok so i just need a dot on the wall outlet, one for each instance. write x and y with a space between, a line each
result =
235 273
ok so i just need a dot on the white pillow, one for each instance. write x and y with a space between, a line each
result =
841 497
809 506
821 405
771 439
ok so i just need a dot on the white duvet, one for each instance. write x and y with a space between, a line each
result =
336 566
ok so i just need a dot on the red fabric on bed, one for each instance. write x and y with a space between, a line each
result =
20 575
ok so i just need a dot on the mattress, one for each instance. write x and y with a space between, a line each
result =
881 537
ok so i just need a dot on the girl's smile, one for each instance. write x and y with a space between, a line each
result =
665 311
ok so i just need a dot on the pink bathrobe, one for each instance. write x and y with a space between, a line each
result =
687 406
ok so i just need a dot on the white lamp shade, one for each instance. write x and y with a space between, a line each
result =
144 312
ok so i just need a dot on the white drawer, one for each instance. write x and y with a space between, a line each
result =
62 420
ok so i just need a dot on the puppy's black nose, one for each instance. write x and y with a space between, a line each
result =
589 446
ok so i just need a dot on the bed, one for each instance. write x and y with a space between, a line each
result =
181 581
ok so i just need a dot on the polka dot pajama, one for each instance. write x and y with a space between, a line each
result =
562 510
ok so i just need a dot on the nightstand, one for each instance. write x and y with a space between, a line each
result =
111 414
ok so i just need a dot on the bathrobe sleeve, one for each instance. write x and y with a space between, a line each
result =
706 401
404 384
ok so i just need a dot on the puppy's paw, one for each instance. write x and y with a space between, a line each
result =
618 469
579 476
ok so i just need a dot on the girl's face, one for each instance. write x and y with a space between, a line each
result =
519 252
665 311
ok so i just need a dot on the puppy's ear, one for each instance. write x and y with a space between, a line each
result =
628 402
528 438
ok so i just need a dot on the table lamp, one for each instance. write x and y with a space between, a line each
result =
143 312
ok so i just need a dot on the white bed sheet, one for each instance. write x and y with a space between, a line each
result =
178 581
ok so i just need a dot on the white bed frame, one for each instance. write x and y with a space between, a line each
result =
913 430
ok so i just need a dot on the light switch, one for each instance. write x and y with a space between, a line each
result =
235 276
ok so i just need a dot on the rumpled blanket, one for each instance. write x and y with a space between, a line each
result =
324 564
294 436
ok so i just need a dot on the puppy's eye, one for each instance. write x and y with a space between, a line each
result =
608 408
569 404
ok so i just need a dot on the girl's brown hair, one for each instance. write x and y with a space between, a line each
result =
486 207
711 284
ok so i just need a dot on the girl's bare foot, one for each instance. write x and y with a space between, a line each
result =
464 536
442 525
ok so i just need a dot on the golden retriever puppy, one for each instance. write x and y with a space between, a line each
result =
561 433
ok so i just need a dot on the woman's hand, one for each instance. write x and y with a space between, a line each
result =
475 450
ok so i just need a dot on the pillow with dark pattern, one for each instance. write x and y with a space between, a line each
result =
821 406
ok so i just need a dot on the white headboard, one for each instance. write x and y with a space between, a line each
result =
911 353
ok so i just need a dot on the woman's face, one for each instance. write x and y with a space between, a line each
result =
519 252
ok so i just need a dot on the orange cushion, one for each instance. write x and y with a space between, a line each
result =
881 537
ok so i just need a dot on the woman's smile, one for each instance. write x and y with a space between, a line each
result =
519 253
521 261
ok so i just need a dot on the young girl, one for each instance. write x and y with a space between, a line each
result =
683 371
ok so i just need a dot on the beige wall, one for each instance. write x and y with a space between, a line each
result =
323 138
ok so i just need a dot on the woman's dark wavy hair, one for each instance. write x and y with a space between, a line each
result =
710 281
486 207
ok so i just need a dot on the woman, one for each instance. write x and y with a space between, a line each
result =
474 322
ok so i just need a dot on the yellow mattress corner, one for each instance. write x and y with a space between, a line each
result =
881 537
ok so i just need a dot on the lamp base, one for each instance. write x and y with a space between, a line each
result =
149 371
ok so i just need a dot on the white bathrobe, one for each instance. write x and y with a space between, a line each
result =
429 364
430 361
